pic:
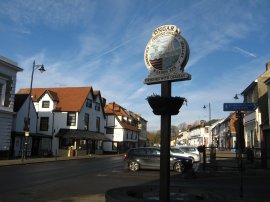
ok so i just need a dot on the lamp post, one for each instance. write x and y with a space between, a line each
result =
212 153
27 119
240 144
209 108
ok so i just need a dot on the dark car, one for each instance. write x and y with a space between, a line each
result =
149 158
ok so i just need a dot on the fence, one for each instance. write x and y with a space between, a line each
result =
231 159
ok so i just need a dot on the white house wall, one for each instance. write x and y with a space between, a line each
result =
47 112
18 124
110 121
58 120
93 114
251 129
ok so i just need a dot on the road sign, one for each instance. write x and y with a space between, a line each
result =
239 106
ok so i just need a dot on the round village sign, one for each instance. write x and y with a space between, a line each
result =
166 55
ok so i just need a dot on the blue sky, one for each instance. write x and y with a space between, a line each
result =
101 43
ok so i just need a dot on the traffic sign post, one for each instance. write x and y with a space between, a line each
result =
240 140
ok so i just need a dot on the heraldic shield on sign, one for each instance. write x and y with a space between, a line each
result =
166 55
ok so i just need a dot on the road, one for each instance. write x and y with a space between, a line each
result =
75 180
88 180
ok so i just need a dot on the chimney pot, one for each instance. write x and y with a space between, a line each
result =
267 66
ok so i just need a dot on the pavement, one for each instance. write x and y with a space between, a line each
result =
21 161
227 170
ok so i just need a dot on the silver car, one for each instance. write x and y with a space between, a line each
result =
189 149
176 151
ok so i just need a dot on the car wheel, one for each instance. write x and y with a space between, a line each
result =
192 159
133 166
178 167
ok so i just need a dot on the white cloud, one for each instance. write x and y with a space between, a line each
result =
49 12
244 52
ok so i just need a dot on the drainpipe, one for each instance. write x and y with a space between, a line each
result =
53 134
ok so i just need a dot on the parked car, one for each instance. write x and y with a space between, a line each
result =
177 151
149 158
189 149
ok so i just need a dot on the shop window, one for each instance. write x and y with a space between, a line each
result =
109 130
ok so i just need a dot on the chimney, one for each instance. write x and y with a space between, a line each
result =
267 66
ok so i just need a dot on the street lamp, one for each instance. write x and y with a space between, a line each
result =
236 96
209 131
27 119
209 109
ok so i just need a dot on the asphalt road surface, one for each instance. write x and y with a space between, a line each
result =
88 179
76 180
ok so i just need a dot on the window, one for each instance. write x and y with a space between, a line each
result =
2 92
44 124
86 121
71 119
97 106
45 104
89 103
65 143
109 130
98 124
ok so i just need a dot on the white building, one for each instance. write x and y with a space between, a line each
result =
72 116
198 135
8 73
123 129
37 144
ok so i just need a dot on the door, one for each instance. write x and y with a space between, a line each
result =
35 146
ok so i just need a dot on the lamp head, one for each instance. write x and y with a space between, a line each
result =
204 106
236 97
42 69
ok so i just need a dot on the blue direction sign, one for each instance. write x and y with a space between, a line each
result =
239 106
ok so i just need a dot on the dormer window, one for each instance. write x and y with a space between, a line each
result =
97 106
89 103
45 104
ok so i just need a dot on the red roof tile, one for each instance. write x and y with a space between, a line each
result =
117 110
70 99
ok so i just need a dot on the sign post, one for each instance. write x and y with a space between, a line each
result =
240 139
165 56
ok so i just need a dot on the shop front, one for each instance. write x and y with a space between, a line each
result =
76 142
34 145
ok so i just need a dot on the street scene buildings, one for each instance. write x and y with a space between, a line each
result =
62 121
78 121
223 133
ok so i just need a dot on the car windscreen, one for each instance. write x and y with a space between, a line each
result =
175 150
189 149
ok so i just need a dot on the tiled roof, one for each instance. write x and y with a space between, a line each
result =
113 108
117 110
69 99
